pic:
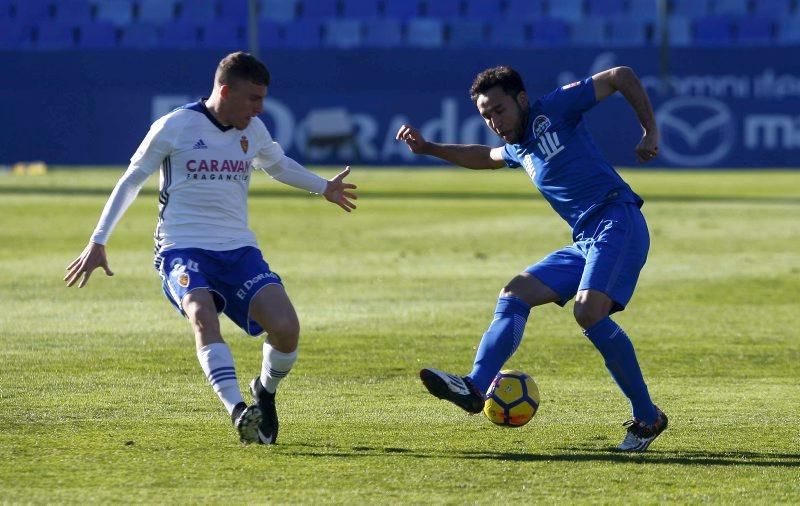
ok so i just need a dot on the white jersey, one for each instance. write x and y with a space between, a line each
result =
205 173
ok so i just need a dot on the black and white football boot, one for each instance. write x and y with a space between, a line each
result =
456 389
268 429
246 419
640 435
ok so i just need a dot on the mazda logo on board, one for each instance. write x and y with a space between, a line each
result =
695 131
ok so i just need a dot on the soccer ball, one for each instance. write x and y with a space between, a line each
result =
512 400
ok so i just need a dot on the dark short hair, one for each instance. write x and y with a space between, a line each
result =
505 77
241 66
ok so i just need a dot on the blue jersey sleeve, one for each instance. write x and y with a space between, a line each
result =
570 100
510 157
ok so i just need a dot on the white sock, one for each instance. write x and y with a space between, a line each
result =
275 367
217 362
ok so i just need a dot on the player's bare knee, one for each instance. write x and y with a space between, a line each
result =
529 290
284 334
507 291
198 311
588 314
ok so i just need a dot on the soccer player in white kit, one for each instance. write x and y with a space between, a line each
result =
206 255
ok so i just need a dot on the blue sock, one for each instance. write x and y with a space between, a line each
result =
500 341
617 350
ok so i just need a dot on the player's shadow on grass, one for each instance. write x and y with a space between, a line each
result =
650 457
422 194
570 455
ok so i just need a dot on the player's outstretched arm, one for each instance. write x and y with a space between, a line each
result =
471 156
94 254
338 192
289 172
92 257
625 81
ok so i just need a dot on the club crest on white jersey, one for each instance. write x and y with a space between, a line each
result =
205 177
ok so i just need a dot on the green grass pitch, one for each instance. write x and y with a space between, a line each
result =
102 399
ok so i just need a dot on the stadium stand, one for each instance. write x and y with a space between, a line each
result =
383 33
569 10
11 34
713 31
54 35
140 36
270 34
72 11
628 31
97 35
789 30
401 9
424 32
512 35
755 31
281 11
31 11
342 33
525 9
234 11
319 9
199 12
302 34
679 31
156 11
360 9
690 8
442 9
776 9
549 32
730 7
467 33
348 24
223 34
118 12
180 35
590 31
482 9
645 10
605 8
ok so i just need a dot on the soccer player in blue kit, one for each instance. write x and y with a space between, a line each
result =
549 139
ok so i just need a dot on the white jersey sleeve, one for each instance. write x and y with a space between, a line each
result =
156 146
270 151
272 160
287 171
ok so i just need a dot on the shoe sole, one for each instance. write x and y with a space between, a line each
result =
260 437
437 386
248 427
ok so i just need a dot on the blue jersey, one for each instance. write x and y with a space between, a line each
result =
561 158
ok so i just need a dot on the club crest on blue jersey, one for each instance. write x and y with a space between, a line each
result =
244 143
541 124
183 280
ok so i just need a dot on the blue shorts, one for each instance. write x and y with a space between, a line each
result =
233 278
609 251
